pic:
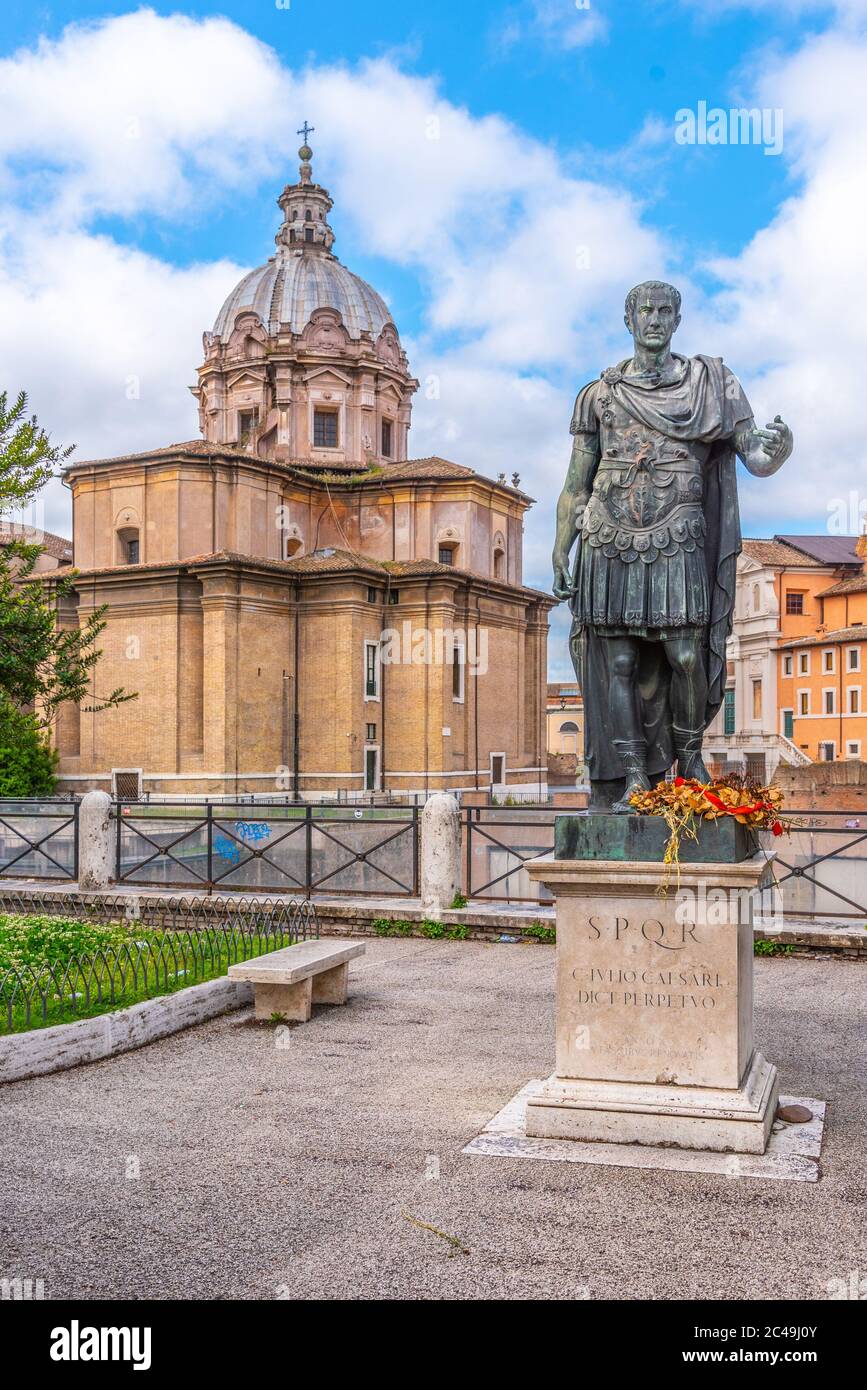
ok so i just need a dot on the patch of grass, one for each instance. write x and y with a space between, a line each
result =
762 947
458 901
433 931
65 969
457 1245
541 933
389 926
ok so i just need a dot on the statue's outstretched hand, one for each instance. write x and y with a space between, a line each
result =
776 440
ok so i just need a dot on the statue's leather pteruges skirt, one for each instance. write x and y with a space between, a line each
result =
642 580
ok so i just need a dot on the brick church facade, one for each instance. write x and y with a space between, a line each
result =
301 607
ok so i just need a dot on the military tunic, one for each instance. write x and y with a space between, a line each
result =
641 568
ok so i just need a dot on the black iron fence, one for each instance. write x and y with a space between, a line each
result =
39 839
326 848
138 962
300 848
497 842
820 869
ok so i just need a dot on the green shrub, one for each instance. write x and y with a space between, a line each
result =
541 932
27 762
762 947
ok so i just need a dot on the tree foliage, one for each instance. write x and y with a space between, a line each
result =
27 762
41 665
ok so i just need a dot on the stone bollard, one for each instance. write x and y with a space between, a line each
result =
94 841
440 854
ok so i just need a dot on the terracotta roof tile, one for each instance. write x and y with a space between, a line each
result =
57 546
856 585
778 555
842 634
327 561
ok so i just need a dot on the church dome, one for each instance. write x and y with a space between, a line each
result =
304 275
290 287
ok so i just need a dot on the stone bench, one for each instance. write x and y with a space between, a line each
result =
292 980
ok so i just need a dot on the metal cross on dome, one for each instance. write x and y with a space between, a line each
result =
306 130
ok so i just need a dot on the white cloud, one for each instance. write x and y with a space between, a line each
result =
139 113
789 316
498 234
846 10
104 339
523 266
563 24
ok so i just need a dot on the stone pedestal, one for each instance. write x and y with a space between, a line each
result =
655 1006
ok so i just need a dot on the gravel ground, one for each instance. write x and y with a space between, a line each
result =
269 1171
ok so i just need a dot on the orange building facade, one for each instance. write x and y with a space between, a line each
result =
823 672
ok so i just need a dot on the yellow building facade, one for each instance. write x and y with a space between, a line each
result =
300 606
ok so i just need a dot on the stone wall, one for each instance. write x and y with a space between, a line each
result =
825 786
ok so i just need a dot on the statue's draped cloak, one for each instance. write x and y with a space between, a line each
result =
715 407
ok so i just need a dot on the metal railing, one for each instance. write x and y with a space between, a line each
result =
39 839
306 848
497 841
155 963
820 869
302 848
295 916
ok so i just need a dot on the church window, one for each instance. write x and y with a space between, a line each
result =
308 216
325 429
308 233
371 670
247 422
499 563
447 554
129 545
458 673
386 439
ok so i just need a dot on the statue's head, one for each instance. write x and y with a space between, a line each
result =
652 314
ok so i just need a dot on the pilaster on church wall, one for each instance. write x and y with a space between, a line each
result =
83 524
219 670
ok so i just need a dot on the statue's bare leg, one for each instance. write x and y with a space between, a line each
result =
687 700
628 739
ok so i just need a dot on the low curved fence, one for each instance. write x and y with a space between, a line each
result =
217 933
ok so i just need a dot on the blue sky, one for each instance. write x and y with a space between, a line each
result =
141 151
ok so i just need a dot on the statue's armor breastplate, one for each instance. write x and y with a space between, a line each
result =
648 490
